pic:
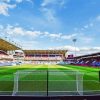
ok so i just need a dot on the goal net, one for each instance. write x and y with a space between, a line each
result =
48 83
64 83
32 83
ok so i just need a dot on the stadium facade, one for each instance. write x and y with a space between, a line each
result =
8 53
45 56
10 56
7 49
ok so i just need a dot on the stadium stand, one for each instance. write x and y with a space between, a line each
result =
7 59
88 60
44 56
69 59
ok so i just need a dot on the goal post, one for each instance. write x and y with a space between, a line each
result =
15 89
79 83
30 83
48 83
65 83
99 76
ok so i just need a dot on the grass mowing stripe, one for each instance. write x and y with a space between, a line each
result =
84 67
88 85
6 81
87 75
59 73
9 73
61 81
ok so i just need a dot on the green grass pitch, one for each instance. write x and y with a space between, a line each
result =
90 78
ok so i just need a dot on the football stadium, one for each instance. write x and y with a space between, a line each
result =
50 49
47 72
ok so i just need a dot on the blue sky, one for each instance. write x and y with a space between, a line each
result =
52 24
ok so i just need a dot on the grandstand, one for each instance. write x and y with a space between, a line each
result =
6 52
5 56
7 46
69 59
19 56
89 60
44 56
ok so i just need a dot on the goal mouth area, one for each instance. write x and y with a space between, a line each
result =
52 82
43 83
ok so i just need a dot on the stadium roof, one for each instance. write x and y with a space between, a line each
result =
7 45
27 52
89 55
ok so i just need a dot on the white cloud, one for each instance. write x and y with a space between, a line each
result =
88 50
98 18
53 2
17 30
5 1
29 44
21 31
49 10
86 39
67 47
86 26
4 7
46 2
69 36
49 14
19 1
55 35
1 27
79 50
31 1
59 36
96 48
91 24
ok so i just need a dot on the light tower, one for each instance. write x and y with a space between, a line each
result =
74 41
